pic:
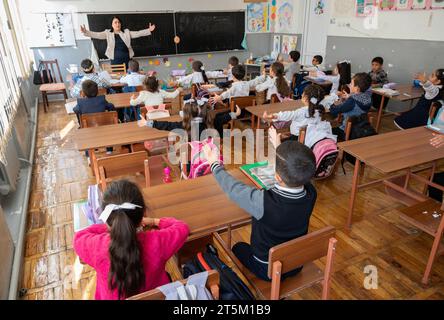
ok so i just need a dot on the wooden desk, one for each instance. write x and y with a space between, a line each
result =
122 100
200 202
318 81
113 135
407 92
389 153
258 111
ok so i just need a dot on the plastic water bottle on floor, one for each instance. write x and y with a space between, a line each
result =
167 175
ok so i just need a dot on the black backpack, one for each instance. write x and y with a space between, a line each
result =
42 76
231 286
361 128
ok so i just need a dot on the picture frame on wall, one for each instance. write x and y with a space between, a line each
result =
385 5
403 5
437 4
365 8
420 4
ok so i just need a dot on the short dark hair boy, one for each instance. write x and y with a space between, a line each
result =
273 211
363 81
318 59
233 61
87 66
238 72
90 89
378 60
295 55
133 65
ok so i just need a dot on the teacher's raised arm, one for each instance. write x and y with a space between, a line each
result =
118 39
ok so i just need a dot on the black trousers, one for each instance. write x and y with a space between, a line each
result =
340 133
244 253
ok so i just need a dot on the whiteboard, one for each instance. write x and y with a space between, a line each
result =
50 30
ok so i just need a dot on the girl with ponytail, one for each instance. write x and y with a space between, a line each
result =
276 83
199 75
310 114
127 259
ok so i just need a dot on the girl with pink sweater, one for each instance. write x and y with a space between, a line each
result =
128 260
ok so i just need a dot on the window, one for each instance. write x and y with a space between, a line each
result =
12 67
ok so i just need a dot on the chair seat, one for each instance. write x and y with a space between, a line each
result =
416 216
309 275
52 87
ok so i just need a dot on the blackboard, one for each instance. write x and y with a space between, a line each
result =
160 42
209 31
198 31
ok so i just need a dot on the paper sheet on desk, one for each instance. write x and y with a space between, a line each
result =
70 106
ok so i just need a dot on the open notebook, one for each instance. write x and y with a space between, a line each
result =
262 173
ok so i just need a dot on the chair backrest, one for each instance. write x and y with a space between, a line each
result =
143 110
302 134
297 252
121 165
98 119
139 88
155 294
242 102
434 110
48 65
114 68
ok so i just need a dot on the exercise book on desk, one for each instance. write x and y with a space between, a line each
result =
262 173
70 105
389 92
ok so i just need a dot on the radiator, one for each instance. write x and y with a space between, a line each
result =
9 171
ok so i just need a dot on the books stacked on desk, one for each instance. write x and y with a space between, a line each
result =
386 91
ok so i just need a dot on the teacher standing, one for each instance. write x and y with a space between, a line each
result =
118 48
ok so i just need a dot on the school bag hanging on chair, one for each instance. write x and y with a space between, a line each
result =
231 286
326 154
199 165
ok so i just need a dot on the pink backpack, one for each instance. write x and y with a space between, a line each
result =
199 166
326 154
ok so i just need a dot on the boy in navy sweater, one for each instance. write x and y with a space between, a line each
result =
359 101
279 214
91 103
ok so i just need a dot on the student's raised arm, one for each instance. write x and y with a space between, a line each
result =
92 34
172 234
248 198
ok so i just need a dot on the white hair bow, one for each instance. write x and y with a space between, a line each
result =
345 61
314 100
202 68
111 207
200 102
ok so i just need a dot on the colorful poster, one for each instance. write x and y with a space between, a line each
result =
258 17
387 4
285 17
419 4
403 4
289 43
277 44
365 8
437 4
320 7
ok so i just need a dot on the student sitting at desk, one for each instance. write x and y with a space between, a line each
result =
273 211
90 74
379 78
340 79
316 64
310 114
232 62
152 95
274 84
91 103
357 103
128 260
239 88
133 78
418 116
199 75
294 66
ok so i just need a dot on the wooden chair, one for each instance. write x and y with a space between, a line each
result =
290 255
131 163
434 110
98 119
155 294
421 216
54 87
242 102
115 69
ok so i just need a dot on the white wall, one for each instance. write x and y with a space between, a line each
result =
413 25
28 7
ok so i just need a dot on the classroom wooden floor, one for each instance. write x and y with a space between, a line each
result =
61 176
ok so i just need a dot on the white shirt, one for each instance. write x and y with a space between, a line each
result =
196 77
153 98
319 67
263 83
299 118
230 74
333 79
133 79
237 89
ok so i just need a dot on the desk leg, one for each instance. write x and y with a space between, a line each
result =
381 108
229 236
353 192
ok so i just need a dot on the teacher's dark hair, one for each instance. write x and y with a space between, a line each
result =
120 20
